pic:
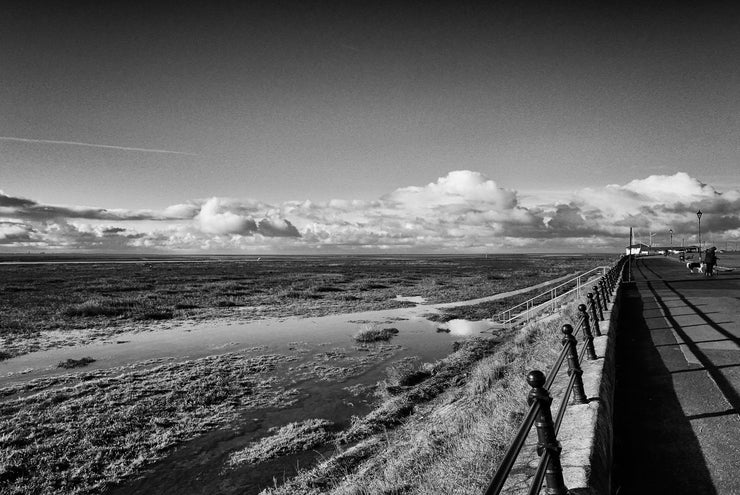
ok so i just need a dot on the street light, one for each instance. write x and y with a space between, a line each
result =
698 215
671 231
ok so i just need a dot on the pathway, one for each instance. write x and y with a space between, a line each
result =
677 406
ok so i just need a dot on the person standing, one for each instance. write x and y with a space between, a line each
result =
710 260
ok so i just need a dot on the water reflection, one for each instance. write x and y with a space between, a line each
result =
467 327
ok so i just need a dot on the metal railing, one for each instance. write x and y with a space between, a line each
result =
531 307
549 469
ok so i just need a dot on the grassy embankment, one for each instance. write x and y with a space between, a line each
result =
41 304
439 427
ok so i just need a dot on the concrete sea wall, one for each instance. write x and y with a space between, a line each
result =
587 432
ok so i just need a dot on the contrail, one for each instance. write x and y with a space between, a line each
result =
92 145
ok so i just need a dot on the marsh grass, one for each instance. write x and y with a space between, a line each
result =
403 374
102 307
75 363
137 309
337 365
289 439
83 437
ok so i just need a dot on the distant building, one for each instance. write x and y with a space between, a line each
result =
641 249
638 249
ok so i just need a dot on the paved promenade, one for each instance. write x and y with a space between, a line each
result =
677 405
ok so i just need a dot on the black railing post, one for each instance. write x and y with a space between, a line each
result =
547 440
594 316
606 293
587 337
599 298
574 367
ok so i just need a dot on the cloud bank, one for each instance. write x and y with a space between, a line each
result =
464 211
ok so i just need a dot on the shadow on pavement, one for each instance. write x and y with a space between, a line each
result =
722 382
655 448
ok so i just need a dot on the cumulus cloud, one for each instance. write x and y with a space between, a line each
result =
662 189
181 211
459 210
458 188
659 203
215 218
462 211
230 217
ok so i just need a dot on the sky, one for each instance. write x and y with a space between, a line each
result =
351 127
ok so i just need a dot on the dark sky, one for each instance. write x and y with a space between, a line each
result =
298 100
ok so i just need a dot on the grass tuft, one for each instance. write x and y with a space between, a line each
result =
102 307
374 334
289 439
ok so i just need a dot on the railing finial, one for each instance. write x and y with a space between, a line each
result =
536 379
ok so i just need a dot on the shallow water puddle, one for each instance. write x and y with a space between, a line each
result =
194 341
467 328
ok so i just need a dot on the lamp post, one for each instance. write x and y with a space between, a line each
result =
671 232
698 215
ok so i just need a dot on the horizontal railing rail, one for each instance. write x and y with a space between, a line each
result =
534 305
549 470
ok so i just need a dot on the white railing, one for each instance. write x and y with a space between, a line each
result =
529 308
